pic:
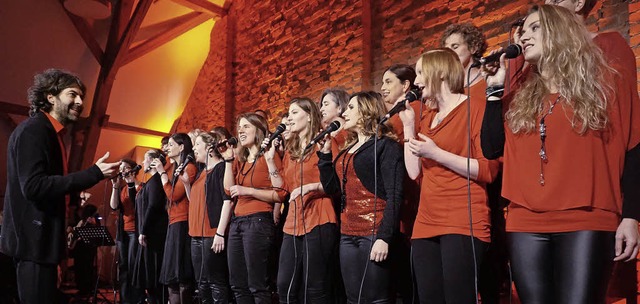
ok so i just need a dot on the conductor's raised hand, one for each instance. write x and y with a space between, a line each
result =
108 170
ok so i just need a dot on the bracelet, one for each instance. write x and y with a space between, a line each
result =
229 160
406 140
495 91
220 235
165 172
273 173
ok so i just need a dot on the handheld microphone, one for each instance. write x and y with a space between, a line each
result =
279 129
134 170
511 51
330 128
183 165
410 97
231 141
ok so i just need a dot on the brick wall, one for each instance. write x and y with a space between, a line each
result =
266 52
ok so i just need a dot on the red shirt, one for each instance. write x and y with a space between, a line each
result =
128 209
199 225
254 177
177 195
444 194
317 206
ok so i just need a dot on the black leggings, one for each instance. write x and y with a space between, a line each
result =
569 267
307 266
444 268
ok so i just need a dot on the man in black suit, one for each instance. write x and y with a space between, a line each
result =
38 185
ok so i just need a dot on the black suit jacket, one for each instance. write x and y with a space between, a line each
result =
34 203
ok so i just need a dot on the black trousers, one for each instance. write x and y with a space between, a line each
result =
444 268
250 239
570 267
305 261
401 270
211 271
127 251
365 281
36 282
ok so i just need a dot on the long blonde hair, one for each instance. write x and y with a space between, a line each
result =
371 108
294 144
574 64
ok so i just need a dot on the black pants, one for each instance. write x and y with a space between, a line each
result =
127 250
211 271
365 281
401 271
84 258
305 262
250 239
444 268
36 282
570 267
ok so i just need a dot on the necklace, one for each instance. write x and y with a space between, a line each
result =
543 136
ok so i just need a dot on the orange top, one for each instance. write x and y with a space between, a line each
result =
582 174
256 176
199 224
128 209
444 194
179 206
339 139
317 206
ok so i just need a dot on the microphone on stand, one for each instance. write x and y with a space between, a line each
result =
279 129
511 51
330 128
410 97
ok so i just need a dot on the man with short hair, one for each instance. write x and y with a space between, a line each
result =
38 184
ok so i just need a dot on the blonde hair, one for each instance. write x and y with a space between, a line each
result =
371 108
294 144
574 64
442 65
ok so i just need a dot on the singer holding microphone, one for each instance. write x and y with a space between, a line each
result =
370 205
177 271
448 245
333 102
209 214
310 229
570 136
126 236
152 221
248 179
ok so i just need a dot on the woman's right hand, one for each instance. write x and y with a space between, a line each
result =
495 73
157 164
325 144
142 239
116 182
226 152
407 116
270 153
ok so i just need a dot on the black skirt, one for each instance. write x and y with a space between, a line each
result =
176 263
146 269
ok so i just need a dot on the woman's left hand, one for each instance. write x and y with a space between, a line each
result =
379 251
627 236
237 190
218 244
425 147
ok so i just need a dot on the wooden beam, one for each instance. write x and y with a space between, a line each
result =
12 108
203 6
117 46
177 27
132 129
83 28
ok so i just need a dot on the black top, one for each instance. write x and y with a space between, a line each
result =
34 202
390 172
215 194
151 217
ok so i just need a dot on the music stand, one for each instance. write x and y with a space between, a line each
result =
96 236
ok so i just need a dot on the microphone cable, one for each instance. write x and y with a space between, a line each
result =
471 236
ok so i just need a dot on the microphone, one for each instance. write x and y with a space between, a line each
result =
410 97
134 170
511 51
279 129
330 128
231 141
183 165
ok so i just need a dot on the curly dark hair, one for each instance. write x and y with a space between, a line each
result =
473 37
51 81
